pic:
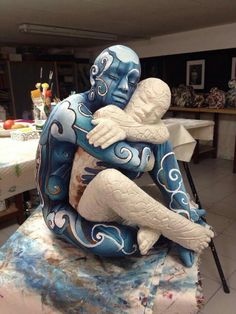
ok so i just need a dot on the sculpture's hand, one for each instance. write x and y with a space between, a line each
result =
105 133
86 178
92 172
150 164
196 214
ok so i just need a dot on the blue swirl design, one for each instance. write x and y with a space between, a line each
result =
97 70
97 237
172 183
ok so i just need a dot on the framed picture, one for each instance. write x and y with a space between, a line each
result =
195 75
233 69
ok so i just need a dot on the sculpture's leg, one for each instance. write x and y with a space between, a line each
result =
166 174
111 195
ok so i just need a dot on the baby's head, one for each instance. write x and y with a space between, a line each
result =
150 101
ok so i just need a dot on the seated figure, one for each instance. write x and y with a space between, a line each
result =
111 196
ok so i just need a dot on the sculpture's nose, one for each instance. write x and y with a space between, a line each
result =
123 85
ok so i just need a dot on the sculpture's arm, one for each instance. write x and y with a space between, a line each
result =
120 154
114 124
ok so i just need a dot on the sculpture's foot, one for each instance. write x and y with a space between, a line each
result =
186 256
186 233
146 239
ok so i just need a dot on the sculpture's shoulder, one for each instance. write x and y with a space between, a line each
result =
73 102
69 116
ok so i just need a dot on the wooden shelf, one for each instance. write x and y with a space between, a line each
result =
202 110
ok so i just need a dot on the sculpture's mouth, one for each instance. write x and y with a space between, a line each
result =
120 99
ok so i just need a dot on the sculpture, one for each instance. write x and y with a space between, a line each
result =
114 77
231 94
216 98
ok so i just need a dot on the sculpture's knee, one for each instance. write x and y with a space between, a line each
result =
109 178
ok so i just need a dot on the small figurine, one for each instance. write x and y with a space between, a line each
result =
216 98
183 96
231 94
199 101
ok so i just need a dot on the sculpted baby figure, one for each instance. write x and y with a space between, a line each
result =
124 201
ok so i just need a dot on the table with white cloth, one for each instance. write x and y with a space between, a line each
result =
40 273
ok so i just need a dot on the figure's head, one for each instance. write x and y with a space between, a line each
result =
232 83
114 76
150 101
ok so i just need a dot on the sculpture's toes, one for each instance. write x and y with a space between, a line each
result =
146 239
205 240
144 247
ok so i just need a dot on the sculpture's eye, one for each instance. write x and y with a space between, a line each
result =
132 83
133 79
113 77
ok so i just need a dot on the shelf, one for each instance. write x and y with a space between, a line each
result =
202 110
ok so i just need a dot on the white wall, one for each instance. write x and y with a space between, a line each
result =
211 38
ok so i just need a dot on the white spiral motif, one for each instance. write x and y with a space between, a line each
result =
91 94
169 175
123 153
82 112
106 59
101 87
94 71
50 220
174 175
102 236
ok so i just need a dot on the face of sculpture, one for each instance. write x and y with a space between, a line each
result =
114 76
150 101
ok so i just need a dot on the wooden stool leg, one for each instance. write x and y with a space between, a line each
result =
20 206
234 161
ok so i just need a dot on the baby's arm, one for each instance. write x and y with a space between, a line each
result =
113 124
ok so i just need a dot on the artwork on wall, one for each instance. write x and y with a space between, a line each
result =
195 74
233 68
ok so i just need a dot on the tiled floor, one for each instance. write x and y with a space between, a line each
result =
216 185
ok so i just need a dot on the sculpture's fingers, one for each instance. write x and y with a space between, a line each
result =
98 126
111 141
99 132
103 139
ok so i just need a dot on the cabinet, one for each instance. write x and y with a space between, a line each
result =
66 75
72 77
6 95
24 76
17 79
83 76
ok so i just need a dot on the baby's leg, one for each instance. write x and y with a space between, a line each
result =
111 196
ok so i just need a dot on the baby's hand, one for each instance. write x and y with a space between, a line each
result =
105 133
